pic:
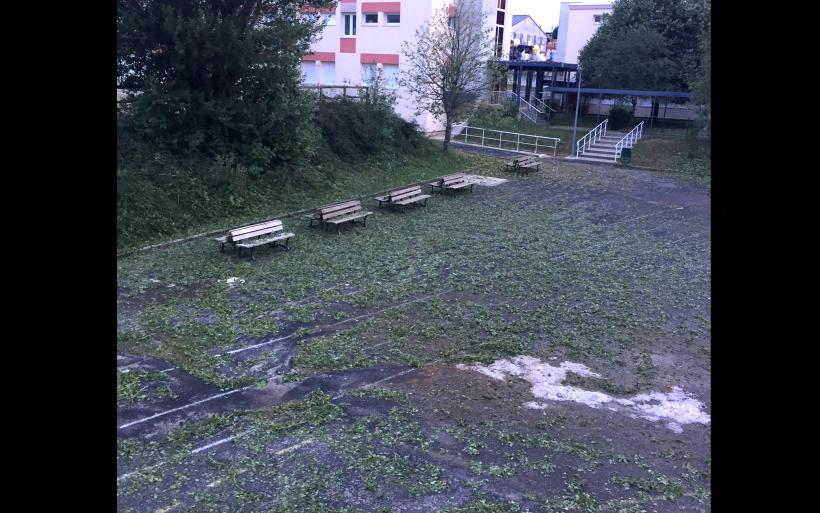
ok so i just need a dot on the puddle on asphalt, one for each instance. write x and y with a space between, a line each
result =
675 408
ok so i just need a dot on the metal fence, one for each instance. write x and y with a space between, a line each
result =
340 91
489 138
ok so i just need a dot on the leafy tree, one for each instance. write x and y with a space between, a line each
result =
646 44
218 76
450 62
701 80
640 58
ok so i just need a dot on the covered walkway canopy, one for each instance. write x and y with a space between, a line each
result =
621 92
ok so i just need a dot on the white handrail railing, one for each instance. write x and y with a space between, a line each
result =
525 108
543 107
629 139
495 138
591 137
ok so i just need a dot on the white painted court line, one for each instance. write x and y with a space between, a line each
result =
344 321
172 410
129 474
280 452
214 444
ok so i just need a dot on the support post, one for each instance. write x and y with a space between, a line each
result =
529 85
515 80
574 145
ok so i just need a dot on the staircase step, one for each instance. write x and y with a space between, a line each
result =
592 159
602 154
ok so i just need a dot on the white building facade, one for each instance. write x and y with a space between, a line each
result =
577 23
360 38
527 32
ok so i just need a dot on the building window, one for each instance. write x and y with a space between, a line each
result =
309 73
393 19
499 41
330 19
389 74
499 17
350 24
502 4
371 19
328 73
596 18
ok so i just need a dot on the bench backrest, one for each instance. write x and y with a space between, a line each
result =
449 178
527 160
453 179
407 192
340 209
255 230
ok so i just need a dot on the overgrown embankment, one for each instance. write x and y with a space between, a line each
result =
359 148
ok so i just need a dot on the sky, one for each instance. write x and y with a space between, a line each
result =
544 12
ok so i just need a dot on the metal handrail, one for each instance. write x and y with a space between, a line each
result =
525 108
486 136
629 139
591 137
544 106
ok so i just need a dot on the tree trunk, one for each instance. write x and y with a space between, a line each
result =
448 130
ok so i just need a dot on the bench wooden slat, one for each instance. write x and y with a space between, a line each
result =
412 199
406 190
326 216
339 206
349 217
267 240
257 233
255 227
406 193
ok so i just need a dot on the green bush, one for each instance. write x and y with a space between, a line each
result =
163 193
619 117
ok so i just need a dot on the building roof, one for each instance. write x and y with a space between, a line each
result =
517 18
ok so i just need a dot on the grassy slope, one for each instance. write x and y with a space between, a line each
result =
183 204
675 150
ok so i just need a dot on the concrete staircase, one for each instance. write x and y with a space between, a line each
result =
603 151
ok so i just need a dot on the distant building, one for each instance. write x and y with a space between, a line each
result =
361 39
527 31
577 23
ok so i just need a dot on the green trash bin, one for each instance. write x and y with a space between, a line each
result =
626 155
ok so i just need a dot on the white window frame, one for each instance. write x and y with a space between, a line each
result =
387 23
367 23
352 24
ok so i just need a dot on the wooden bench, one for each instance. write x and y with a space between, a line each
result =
456 182
524 164
255 235
436 185
404 197
339 213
